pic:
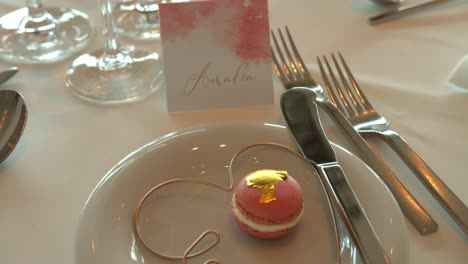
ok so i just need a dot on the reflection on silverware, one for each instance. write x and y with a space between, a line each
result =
13 115
404 10
7 74
293 73
301 114
365 119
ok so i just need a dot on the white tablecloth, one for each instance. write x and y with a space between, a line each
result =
68 145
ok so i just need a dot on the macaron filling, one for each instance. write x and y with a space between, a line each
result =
269 228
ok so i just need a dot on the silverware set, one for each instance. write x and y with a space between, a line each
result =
355 116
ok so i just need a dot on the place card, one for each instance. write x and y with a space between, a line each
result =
216 54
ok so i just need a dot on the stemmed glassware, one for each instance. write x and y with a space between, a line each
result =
138 19
36 34
115 73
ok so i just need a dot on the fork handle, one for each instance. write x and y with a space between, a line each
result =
441 192
420 219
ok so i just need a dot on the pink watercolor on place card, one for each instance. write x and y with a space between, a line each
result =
241 25
179 23
216 54
254 38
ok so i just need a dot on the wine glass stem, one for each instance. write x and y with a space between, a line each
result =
35 8
110 37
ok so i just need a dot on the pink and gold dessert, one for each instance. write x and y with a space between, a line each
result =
267 203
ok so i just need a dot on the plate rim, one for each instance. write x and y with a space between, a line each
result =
145 148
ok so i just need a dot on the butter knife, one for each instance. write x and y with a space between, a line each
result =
404 10
301 114
7 74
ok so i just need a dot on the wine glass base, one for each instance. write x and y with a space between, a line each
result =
56 35
128 76
132 21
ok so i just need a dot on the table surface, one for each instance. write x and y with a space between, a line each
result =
403 66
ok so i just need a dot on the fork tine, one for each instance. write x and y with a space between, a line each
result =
341 102
362 98
297 55
346 87
326 81
284 66
278 69
292 63
332 95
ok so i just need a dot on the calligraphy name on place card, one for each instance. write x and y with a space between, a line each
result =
216 54
205 79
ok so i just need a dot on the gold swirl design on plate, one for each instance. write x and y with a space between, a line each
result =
259 178
266 181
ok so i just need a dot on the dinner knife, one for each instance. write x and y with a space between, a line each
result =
6 75
404 10
301 114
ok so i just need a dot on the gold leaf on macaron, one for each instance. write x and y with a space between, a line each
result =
266 181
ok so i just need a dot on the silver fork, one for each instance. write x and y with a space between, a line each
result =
349 98
292 72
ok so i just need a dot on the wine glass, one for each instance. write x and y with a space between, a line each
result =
138 19
115 73
35 34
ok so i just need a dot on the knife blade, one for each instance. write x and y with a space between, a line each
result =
301 114
6 75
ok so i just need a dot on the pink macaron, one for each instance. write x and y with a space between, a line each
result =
267 203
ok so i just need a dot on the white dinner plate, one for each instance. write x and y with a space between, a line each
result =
176 215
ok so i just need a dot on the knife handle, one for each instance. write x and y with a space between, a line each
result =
353 215
449 201
420 219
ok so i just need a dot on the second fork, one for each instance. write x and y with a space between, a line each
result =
348 96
